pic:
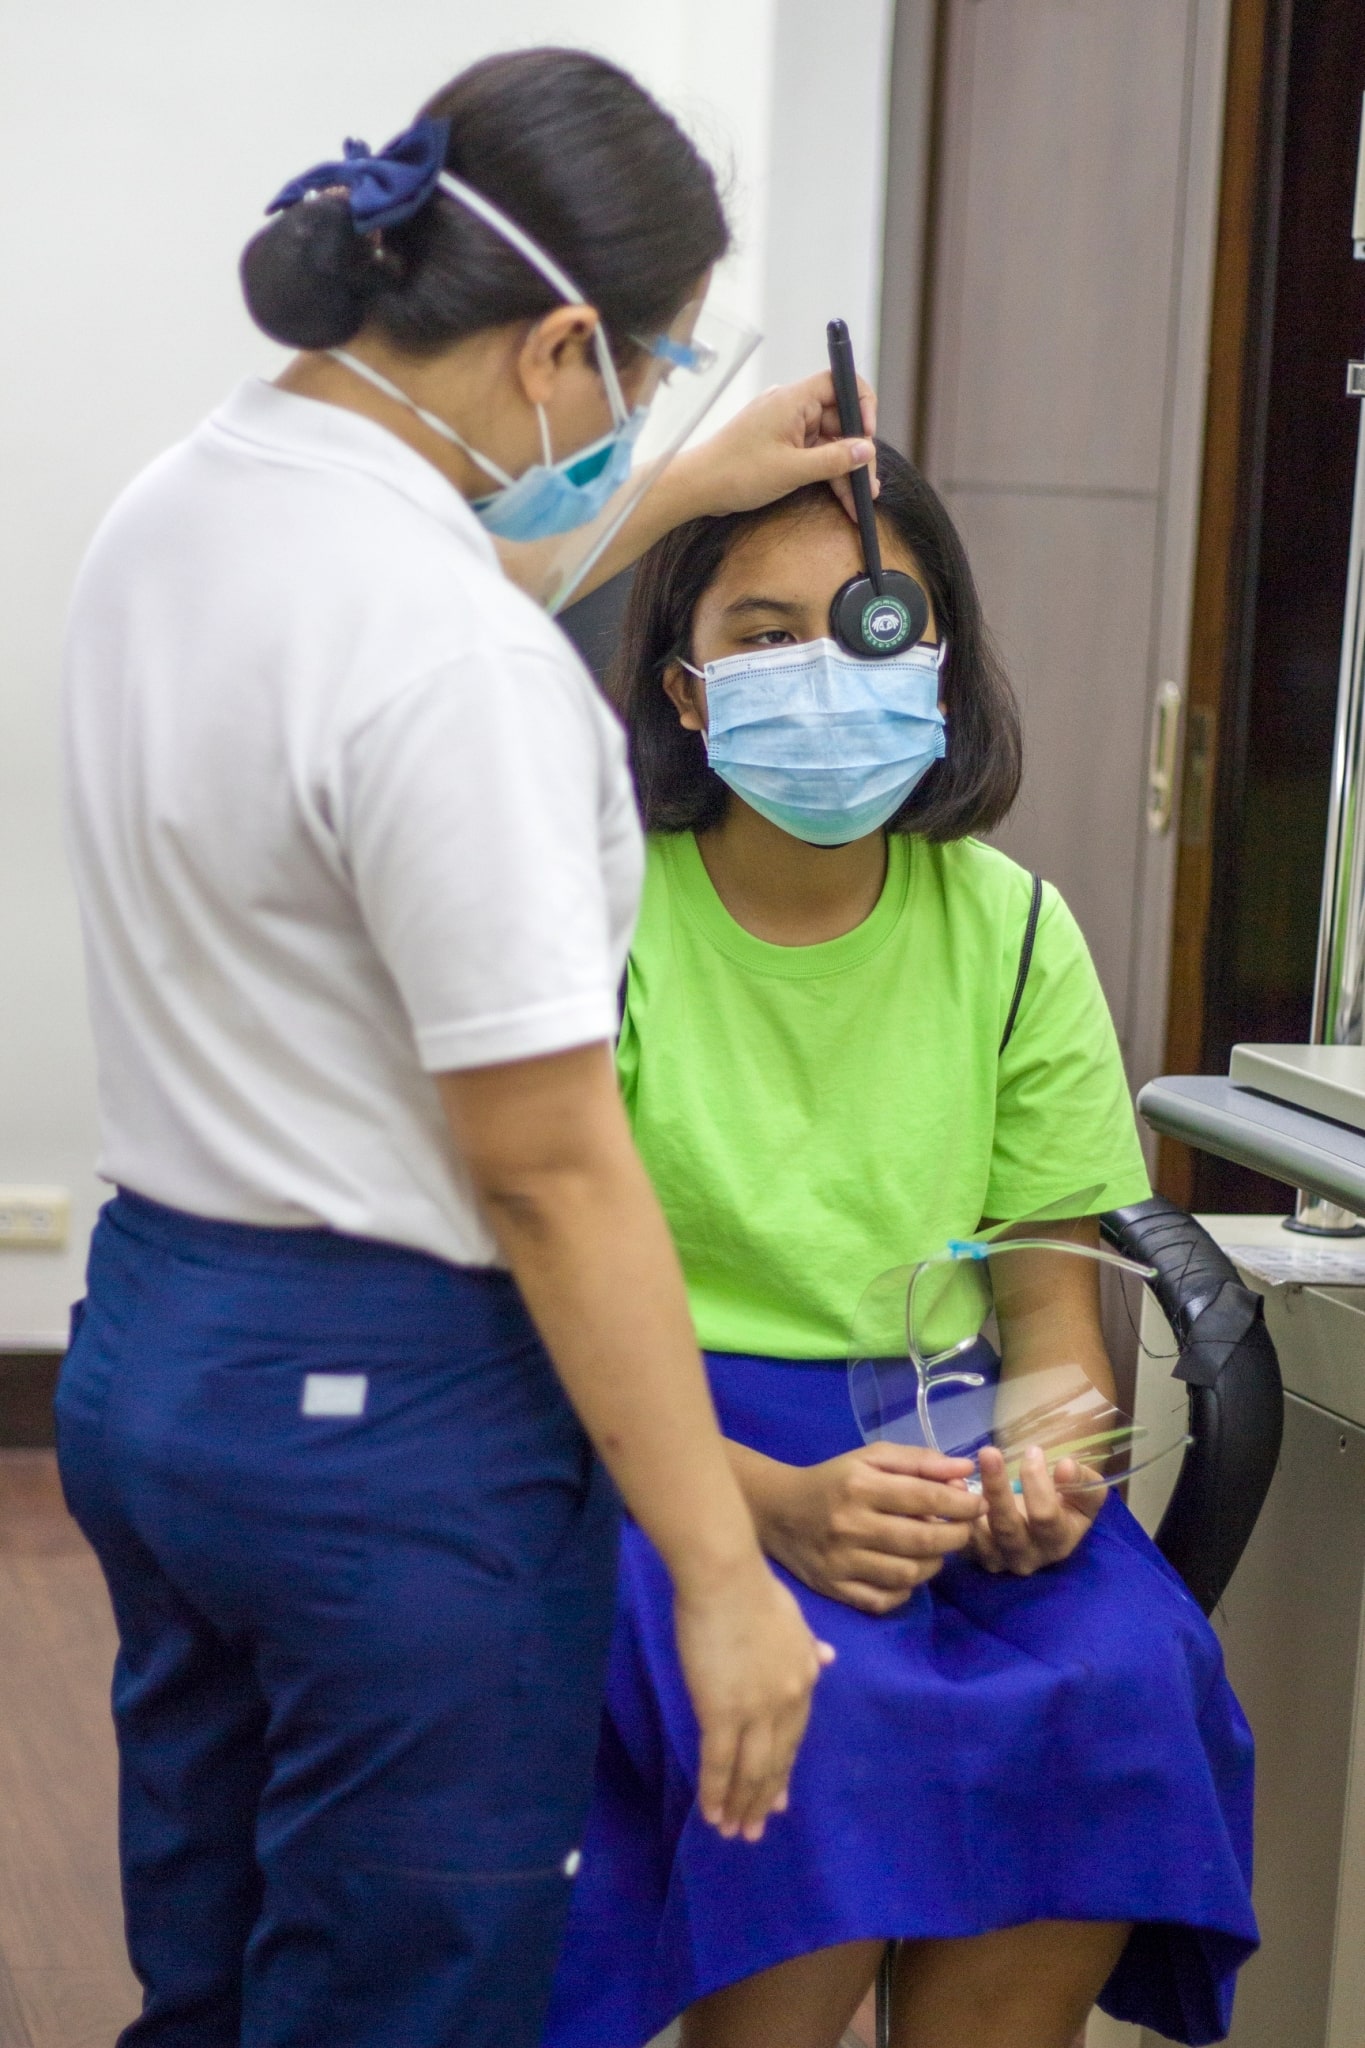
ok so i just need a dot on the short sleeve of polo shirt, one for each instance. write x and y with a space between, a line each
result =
1064 1121
471 815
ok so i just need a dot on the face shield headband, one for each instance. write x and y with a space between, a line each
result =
553 522
384 189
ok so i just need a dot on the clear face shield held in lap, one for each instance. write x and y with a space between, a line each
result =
991 1341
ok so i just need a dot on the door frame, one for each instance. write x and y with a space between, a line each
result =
1216 33
1241 316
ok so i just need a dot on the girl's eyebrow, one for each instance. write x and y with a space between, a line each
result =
785 607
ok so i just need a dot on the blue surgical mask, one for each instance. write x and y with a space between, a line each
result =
550 497
553 497
824 744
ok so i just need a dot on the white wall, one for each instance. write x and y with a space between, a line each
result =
138 143
826 180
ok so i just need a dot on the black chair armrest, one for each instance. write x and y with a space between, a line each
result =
1236 1398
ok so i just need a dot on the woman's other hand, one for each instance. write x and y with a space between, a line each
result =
784 438
750 1663
865 1528
1022 1532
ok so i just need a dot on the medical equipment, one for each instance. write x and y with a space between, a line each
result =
882 611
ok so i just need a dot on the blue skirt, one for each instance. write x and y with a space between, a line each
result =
996 1751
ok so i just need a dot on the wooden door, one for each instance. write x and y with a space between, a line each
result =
1057 163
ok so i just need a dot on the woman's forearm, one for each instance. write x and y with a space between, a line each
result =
581 1230
547 1145
594 1262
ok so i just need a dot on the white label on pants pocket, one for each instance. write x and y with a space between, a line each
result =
334 1393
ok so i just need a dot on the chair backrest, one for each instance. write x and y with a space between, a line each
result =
1229 1365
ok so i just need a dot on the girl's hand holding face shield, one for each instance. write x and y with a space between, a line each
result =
869 1527
1042 1524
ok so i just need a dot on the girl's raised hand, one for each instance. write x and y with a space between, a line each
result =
1022 1532
870 1526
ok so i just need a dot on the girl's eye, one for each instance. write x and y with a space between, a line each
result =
772 636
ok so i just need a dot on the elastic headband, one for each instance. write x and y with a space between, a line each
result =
388 188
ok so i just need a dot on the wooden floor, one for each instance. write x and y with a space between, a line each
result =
64 1977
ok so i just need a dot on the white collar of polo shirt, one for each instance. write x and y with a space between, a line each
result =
309 431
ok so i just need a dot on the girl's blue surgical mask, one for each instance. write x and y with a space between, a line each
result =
825 745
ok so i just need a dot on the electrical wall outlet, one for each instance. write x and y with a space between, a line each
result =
34 1219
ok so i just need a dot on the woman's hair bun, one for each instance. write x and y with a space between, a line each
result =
308 277
567 146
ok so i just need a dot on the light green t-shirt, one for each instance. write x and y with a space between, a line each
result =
814 1115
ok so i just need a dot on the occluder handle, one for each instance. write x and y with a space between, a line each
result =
851 425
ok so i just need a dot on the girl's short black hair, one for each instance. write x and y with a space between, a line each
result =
573 151
969 791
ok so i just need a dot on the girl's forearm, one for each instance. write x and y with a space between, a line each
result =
765 1484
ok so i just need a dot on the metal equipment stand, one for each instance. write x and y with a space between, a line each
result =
1339 993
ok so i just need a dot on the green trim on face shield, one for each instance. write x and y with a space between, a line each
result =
824 745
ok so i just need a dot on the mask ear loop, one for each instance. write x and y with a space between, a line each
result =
546 452
494 218
428 419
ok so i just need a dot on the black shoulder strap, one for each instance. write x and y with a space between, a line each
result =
1025 959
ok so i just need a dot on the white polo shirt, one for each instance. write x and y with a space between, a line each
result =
345 810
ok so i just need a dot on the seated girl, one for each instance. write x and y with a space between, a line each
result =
1026 1765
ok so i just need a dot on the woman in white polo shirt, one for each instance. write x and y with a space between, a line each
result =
358 861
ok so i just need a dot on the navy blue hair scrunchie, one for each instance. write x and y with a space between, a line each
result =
380 190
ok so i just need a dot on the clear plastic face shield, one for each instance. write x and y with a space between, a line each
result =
991 1342
656 388
653 401
673 381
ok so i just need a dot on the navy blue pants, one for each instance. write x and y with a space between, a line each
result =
362 1561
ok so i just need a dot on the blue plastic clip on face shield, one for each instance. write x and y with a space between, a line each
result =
678 355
